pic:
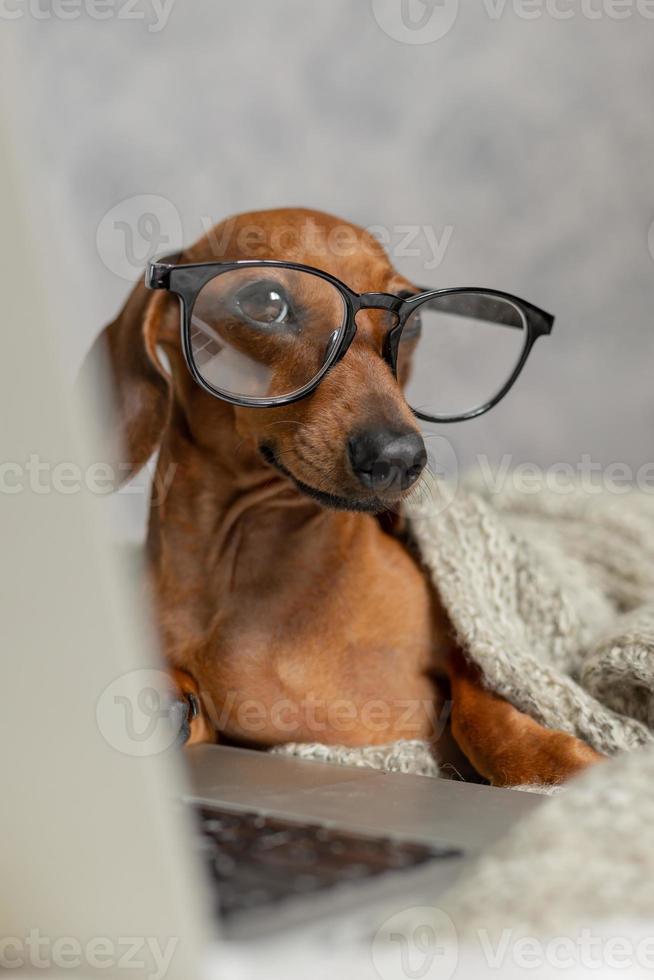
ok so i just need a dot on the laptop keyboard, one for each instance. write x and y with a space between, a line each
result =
258 861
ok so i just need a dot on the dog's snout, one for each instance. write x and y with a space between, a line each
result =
386 461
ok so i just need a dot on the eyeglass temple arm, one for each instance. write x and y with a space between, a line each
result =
542 321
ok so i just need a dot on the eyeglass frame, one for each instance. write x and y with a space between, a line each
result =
186 281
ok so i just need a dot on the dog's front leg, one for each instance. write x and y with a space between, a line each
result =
187 711
506 746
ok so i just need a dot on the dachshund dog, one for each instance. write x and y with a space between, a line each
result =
289 602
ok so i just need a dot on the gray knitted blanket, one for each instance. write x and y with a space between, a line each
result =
552 596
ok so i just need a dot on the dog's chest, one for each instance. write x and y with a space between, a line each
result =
335 647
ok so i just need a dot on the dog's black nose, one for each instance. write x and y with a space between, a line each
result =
383 460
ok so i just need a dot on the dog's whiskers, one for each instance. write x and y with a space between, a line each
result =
302 425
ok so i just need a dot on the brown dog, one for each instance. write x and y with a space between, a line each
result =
288 609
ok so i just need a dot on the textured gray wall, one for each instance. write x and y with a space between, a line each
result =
532 139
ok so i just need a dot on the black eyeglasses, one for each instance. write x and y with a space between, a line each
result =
265 333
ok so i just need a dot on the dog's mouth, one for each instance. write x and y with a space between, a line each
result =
370 505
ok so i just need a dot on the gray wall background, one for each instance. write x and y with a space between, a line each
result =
533 139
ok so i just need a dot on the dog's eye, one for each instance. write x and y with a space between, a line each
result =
263 303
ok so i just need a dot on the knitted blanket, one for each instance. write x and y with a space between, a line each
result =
586 856
552 596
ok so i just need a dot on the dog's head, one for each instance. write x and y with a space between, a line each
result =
352 443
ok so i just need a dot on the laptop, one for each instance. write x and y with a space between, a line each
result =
118 847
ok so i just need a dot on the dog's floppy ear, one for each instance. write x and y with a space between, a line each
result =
125 354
